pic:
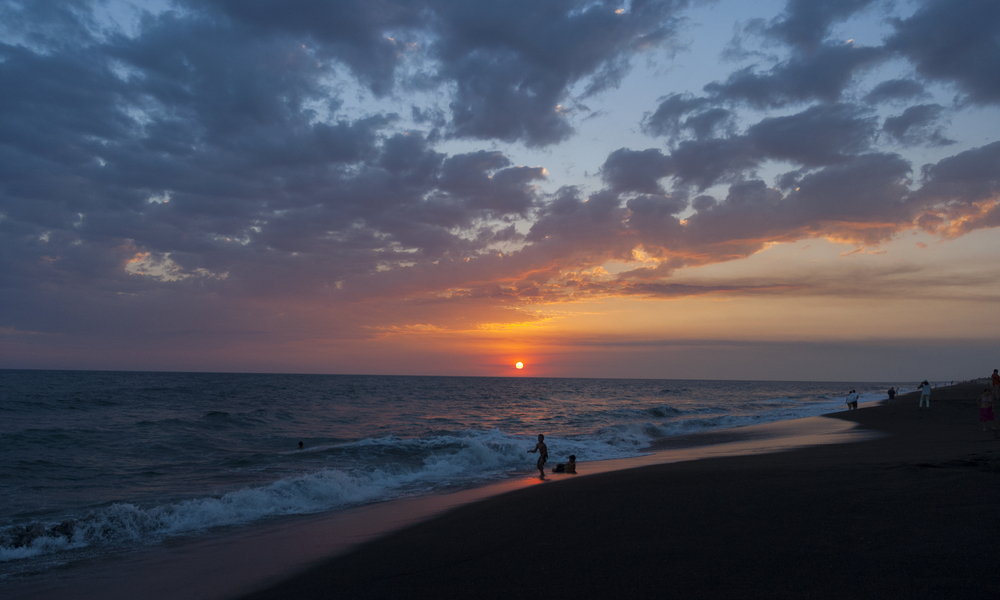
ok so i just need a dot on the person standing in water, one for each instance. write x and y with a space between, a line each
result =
543 454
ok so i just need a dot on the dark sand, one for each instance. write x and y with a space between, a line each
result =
233 561
912 514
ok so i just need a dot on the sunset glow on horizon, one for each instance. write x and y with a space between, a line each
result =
637 190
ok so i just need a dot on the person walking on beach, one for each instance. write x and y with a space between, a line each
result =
543 454
892 393
995 380
852 400
986 409
925 394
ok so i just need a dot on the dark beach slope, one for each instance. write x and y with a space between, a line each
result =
912 514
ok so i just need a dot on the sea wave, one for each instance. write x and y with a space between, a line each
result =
408 466
192 451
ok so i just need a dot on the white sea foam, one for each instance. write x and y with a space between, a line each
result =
381 468
467 456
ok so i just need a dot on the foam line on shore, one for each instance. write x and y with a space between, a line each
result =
236 562
906 514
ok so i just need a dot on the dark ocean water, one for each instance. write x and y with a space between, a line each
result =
94 463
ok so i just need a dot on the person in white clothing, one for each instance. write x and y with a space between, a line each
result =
925 394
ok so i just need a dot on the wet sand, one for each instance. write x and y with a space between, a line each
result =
234 561
911 513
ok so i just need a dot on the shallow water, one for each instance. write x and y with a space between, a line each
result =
232 562
101 463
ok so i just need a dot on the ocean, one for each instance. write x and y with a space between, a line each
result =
94 464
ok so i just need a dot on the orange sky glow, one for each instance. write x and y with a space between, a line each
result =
649 190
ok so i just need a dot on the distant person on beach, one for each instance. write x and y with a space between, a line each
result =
543 454
986 409
892 393
995 380
925 394
301 445
852 400
569 467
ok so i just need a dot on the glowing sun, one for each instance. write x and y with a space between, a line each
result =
519 365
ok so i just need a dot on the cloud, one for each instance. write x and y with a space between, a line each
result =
246 181
969 176
705 120
820 75
858 201
222 164
917 126
486 180
895 90
353 32
961 193
513 63
820 135
510 64
805 24
636 171
954 42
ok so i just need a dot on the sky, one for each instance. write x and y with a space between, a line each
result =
799 190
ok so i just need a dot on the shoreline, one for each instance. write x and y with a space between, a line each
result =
908 513
229 563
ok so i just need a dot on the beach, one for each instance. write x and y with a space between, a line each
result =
911 513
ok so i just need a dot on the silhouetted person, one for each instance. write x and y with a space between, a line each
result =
301 445
543 454
995 380
852 400
892 394
569 467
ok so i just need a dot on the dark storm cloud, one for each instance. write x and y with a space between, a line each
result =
918 125
956 42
